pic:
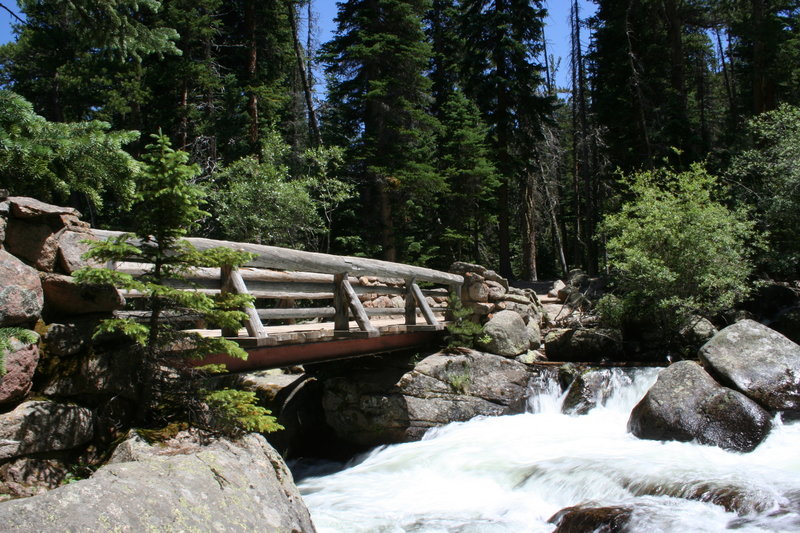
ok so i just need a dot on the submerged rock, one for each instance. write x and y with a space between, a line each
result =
240 485
759 362
581 519
590 389
686 404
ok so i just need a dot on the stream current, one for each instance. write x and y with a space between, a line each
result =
512 473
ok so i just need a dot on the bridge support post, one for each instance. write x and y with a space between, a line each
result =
344 301
232 282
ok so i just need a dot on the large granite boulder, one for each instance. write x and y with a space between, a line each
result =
589 345
240 485
507 334
21 296
386 404
21 359
686 404
759 362
44 426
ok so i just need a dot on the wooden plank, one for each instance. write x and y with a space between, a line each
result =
272 257
423 305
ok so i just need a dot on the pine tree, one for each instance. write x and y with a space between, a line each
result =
503 39
378 108
168 208
471 178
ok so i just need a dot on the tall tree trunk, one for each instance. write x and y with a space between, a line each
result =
636 79
301 69
252 68
529 272
506 167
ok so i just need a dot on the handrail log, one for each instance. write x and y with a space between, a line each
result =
288 259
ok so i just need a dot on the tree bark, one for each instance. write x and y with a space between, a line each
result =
301 69
252 68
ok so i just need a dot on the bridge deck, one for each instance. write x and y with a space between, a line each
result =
315 342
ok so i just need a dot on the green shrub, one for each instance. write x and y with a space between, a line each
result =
767 177
675 250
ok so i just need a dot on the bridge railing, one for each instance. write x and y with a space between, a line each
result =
286 275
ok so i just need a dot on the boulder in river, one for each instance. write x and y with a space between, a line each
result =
240 485
580 519
758 361
687 404
388 404
507 334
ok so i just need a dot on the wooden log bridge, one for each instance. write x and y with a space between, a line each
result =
312 307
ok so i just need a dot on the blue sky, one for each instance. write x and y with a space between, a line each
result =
557 27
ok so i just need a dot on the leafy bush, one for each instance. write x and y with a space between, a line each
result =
768 178
675 250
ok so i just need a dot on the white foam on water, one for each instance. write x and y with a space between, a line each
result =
512 473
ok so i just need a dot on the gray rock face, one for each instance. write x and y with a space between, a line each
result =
21 297
508 333
686 403
69 338
226 486
583 345
534 334
43 426
759 362
381 407
20 362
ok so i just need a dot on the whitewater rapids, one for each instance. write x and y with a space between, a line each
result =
512 473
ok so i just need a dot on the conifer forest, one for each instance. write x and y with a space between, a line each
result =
424 131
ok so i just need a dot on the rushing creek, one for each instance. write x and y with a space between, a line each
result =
512 473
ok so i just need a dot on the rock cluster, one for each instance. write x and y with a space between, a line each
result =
511 317
751 373
66 397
